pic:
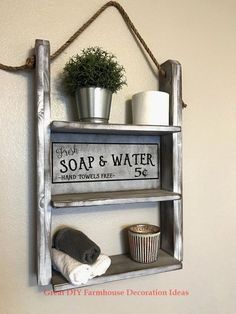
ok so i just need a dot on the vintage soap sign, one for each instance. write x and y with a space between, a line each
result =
94 162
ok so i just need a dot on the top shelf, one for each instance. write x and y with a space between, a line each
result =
81 127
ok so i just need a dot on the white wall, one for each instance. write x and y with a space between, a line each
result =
201 35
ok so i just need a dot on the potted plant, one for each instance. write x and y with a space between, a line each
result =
93 76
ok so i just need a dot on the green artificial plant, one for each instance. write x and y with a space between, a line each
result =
94 67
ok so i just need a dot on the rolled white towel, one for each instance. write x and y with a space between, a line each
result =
74 271
101 265
78 273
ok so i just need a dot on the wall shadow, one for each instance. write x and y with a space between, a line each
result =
124 240
128 112
31 162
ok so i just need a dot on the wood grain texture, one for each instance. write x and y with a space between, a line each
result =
171 178
42 78
122 267
80 127
111 198
171 169
105 139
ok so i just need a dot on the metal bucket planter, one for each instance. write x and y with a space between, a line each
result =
93 104
144 242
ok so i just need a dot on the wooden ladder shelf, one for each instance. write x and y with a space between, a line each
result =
169 194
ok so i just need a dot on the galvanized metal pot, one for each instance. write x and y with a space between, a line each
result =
93 104
144 242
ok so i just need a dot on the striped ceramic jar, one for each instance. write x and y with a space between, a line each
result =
144 242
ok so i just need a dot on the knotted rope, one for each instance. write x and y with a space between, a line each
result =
30 62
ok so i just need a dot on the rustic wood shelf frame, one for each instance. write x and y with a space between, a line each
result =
169 195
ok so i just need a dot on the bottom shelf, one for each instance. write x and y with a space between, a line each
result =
122 267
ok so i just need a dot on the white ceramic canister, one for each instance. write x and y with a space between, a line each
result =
150 108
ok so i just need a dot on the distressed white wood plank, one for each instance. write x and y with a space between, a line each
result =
80 127
109 145
111 198
122 267
42 77
171 212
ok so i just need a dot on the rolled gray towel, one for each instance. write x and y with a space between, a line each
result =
76 244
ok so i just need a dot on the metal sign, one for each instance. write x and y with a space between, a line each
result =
94 162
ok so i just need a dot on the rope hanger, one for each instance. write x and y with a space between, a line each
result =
30 62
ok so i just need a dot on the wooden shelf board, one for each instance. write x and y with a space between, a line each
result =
81 127
122 267
110 198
